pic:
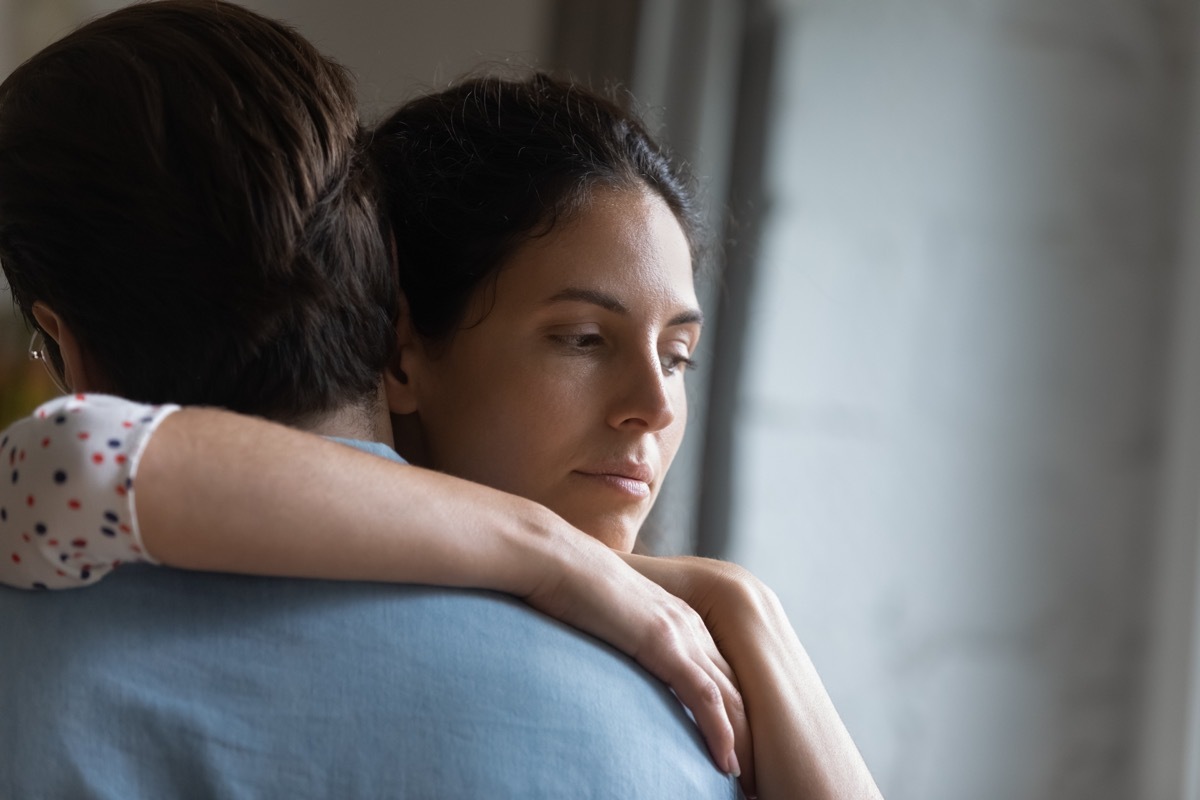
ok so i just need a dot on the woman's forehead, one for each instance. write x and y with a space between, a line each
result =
624 249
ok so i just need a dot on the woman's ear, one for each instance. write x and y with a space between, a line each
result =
77 371
397 378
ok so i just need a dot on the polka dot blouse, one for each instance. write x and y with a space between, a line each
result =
66 490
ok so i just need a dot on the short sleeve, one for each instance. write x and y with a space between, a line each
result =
67 476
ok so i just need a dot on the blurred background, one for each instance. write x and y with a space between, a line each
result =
950 407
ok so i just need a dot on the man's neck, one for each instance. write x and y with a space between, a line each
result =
367 422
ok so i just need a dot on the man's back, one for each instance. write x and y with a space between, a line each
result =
160 683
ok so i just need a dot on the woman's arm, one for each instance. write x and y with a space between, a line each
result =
801 748
202 489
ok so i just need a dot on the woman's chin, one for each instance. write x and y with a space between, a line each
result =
615 530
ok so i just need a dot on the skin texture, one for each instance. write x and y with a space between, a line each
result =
565 383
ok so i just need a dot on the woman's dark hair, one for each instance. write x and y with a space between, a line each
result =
185 184
472 172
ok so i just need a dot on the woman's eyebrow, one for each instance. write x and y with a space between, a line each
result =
689 317
610 303
596 298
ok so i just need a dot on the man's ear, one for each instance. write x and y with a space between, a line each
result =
398 377
78 372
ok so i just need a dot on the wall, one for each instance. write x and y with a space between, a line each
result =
399 48
395 48
949 444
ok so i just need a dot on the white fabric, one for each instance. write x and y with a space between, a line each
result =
67 474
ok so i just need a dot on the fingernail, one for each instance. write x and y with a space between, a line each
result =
732 767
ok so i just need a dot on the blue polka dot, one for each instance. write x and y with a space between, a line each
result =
60 476
16 475
60 419
85 574
109 532
40 529
39 586
3 442
114 442
62 557
111 516
3 515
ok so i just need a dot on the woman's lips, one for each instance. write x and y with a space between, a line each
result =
629 479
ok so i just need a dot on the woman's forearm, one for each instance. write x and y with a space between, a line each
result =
94 480
226 493
801 747
221 492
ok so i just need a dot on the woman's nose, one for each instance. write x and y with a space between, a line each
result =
642 396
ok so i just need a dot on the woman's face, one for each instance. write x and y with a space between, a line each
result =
566 384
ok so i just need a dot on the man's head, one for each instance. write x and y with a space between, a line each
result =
181 184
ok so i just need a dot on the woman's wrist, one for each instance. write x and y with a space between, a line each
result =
540 549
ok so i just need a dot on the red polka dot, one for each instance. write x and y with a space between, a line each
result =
126 424
41 415
80 397
75 504
120 458
29 501
26 537
79 543
53 542
60 573
121 491
84 435
16 559
135 548
97 458
46 442
22 456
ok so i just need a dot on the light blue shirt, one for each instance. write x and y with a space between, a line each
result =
158 683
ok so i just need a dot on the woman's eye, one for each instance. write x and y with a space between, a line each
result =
673 363
578 341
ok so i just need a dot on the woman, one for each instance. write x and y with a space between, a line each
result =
545 248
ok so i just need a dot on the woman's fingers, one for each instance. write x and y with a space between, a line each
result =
598 593
678 655
735 711
684 580
735 708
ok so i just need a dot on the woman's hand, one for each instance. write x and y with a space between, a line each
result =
720 593
593 590
800 746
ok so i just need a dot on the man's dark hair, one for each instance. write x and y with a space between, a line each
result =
183 182
471 173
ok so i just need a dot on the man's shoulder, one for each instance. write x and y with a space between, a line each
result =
318 688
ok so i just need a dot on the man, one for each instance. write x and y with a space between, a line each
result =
184 212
